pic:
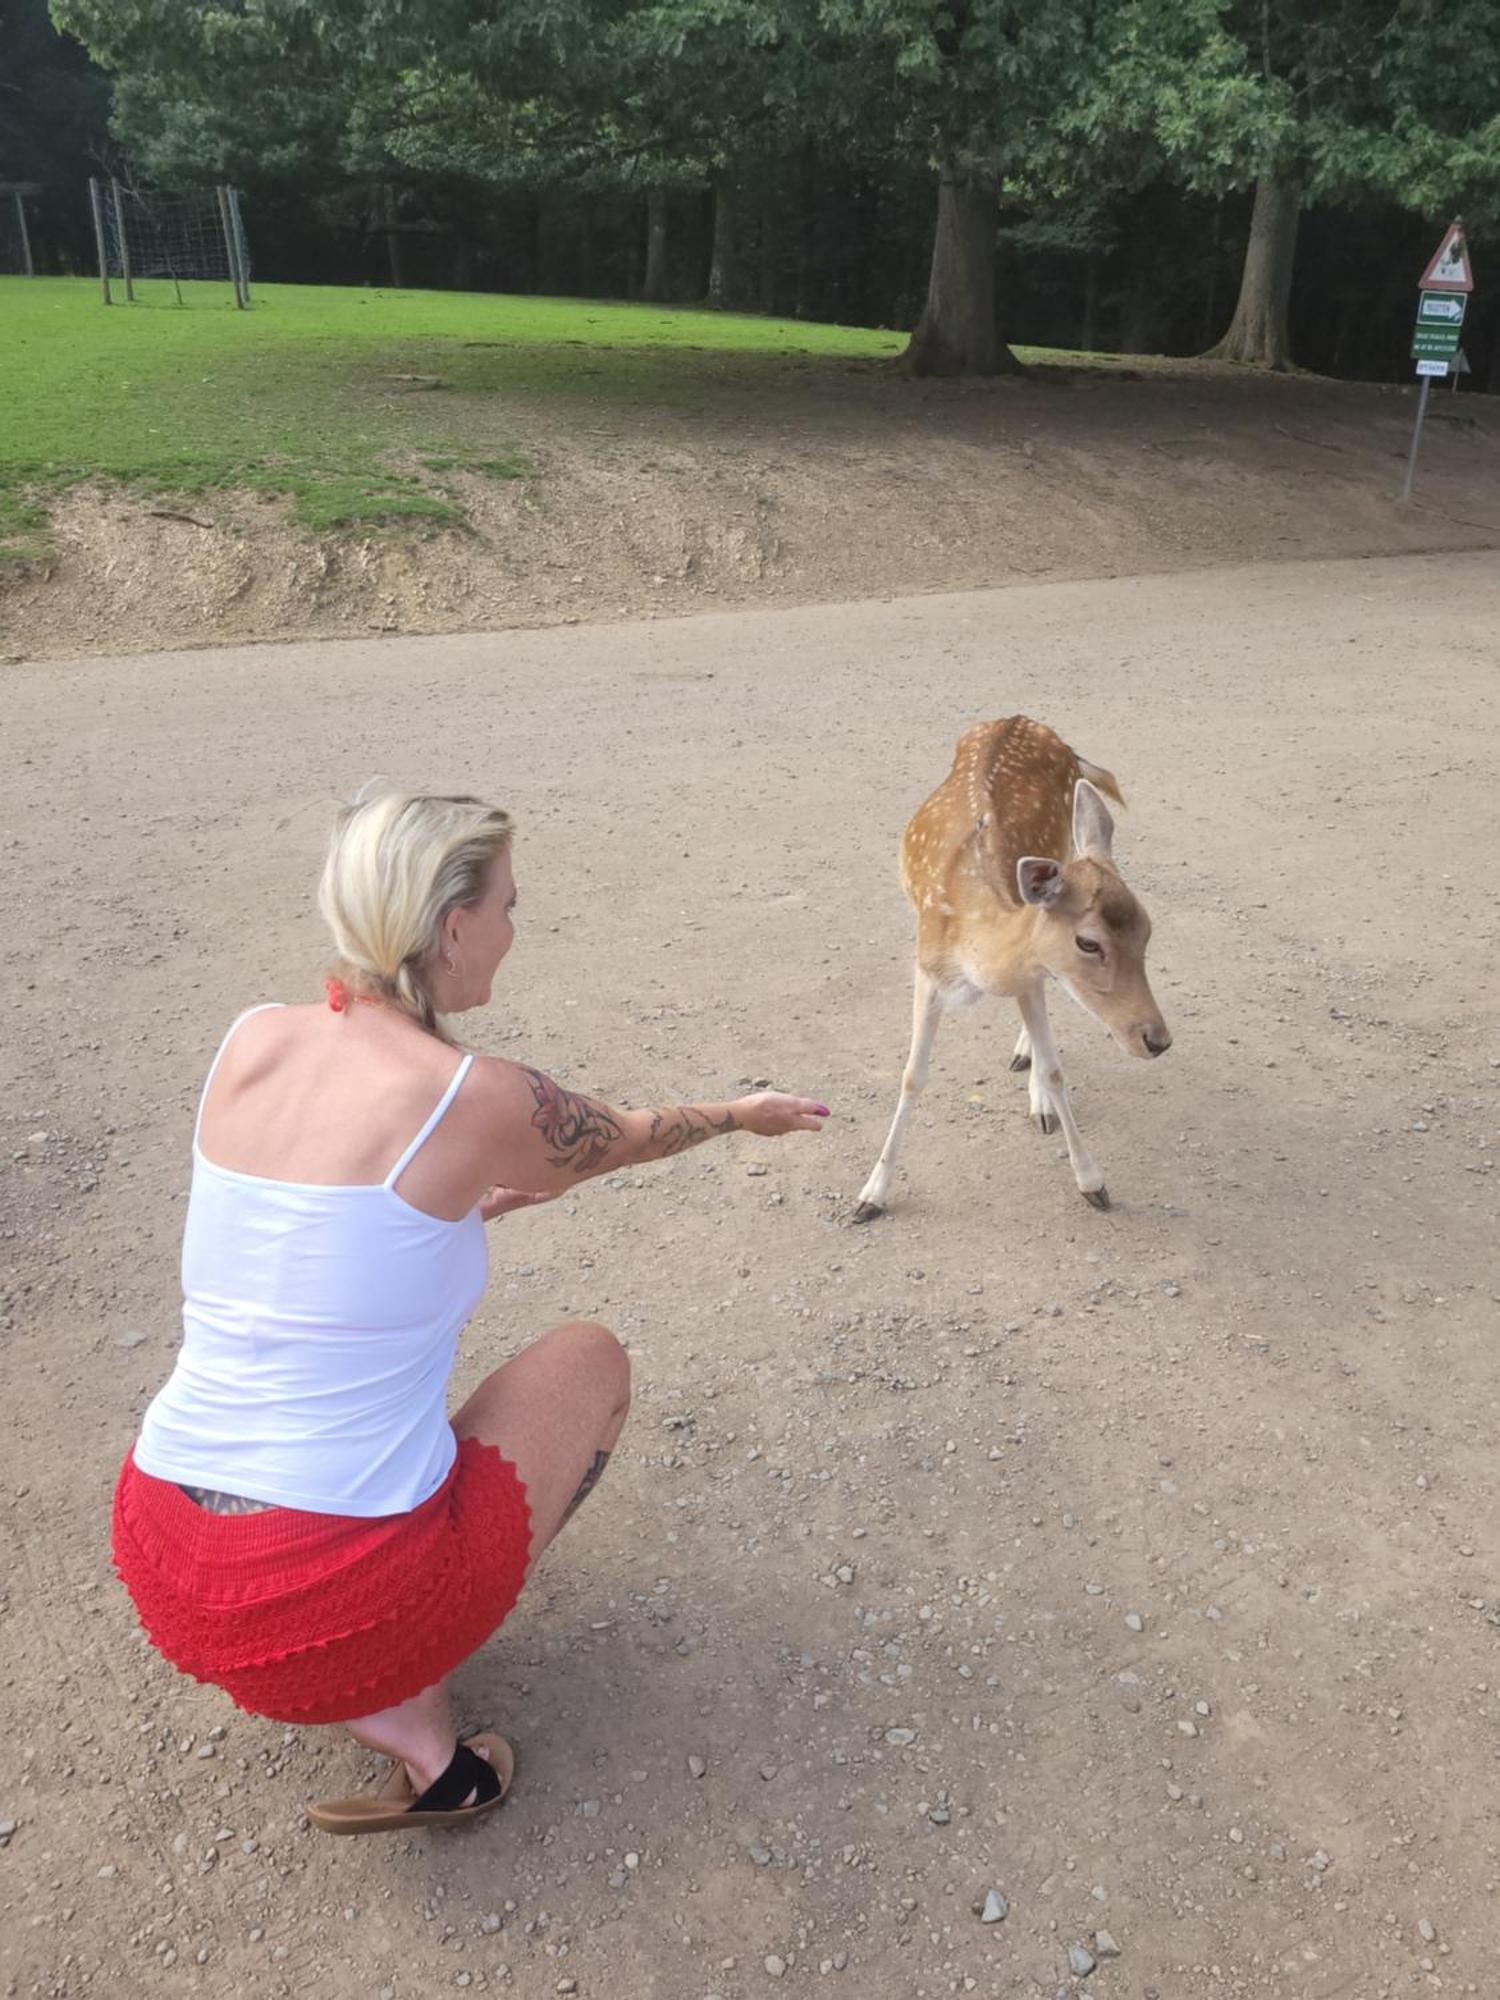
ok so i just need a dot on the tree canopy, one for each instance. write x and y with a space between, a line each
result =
1018 115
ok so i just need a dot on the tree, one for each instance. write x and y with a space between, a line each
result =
647 96
204 93
1012 104
1332 100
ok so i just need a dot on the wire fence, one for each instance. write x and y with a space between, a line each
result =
145 233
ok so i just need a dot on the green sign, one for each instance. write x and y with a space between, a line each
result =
1433 341
1442 308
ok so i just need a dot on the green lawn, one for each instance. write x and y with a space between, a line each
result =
360 404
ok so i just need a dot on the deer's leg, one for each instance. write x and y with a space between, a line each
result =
927 1007
1046 1072
1042 1114
1040 1098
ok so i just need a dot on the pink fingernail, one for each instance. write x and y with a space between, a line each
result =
822 1111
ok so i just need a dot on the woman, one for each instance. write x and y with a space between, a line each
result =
299 1522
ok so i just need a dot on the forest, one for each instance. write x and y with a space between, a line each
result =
1259 180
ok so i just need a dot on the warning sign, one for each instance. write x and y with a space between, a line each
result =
1442 302
1450 270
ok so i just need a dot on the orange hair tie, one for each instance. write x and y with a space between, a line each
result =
338 994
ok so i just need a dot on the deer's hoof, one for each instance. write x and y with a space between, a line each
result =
1046 1123
867 1211
1020 1063
1096 1197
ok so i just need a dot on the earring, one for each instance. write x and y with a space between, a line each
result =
447 963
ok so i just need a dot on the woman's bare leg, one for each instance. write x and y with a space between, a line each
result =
418 1732
555 1412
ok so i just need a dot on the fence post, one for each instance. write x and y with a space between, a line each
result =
26 257
1416 436
96 206
229 247
239 241
124 240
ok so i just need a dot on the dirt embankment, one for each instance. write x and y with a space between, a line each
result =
818 485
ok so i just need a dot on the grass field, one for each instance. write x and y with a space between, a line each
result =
340 397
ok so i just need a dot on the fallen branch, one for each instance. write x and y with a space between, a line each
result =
168 514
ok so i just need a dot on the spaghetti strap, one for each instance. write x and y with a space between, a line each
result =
432 1123
264 1007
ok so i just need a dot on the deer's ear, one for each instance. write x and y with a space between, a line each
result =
1093 829
1040 881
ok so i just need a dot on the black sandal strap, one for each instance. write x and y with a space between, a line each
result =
469 1772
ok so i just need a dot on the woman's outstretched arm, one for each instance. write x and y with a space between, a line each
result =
548 1137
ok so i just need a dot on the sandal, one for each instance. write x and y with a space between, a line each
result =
396 1808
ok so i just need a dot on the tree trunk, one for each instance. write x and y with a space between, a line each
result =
536 239
586 249
722 277
1259 333
655 287
808 185
1211 296
1138 320
958 333
1089 340
770 243
393 247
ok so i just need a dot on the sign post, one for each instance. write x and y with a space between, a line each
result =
1442 301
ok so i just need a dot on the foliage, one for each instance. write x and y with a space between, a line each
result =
469 121
1349 99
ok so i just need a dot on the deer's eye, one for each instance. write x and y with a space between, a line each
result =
1091 946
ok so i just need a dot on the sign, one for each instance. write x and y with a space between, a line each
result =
1434 340
1442 300
1442 308
1450 270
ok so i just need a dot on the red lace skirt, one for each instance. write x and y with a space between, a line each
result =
320 1617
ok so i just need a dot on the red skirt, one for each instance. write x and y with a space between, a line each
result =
320 1617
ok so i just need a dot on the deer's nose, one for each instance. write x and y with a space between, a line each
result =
1157 1041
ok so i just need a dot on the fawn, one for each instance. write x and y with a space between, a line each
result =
1002 907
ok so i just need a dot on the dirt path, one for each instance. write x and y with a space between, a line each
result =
923 1478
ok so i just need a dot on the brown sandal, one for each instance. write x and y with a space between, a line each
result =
484 1765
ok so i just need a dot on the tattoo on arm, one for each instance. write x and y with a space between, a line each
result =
578 1132
590 1481
683 1126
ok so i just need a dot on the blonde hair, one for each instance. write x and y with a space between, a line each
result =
397 865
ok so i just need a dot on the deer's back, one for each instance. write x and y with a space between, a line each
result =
1009 793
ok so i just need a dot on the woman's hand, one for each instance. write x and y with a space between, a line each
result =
772 1114
498 1201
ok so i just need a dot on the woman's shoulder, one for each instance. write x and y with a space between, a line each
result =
494 1079
264 1023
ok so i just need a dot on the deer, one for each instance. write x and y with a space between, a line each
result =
1009 866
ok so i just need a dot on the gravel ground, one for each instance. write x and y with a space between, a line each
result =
1130 1581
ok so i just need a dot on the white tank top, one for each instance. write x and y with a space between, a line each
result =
320 1326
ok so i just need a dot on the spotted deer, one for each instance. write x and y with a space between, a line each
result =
1009 868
